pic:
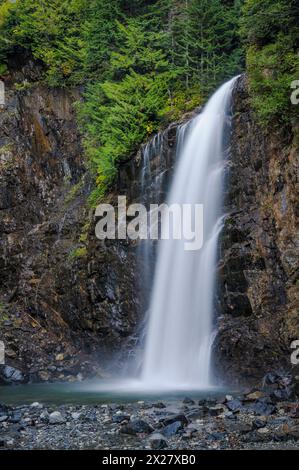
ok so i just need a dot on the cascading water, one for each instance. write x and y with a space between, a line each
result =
180 331
179 334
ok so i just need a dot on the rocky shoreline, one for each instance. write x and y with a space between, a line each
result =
264 418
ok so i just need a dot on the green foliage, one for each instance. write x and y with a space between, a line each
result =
3 69
205 43
84 233
99 35
76 253
73 192
158 65
142 63
130 105
271 32
50 30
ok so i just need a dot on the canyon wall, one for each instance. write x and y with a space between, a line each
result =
258 299
68 301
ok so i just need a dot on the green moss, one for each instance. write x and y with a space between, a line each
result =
3 313
84 233
271 34
79 252
3 69
271 72
97 195
73 192
25 85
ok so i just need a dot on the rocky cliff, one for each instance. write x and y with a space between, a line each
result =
69 301
63 297
258 298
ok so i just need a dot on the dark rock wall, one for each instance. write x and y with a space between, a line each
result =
258 271
68 301
61 292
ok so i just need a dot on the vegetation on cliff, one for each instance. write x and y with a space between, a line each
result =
271 33
144 63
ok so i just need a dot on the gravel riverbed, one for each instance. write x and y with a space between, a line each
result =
248 421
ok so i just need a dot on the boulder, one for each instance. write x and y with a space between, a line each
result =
10 376
136 426
56 418
157 441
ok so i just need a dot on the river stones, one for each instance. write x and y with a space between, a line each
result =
10 376
56 418
136 426
172 429
234 405
157 441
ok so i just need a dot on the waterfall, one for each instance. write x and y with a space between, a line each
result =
180 331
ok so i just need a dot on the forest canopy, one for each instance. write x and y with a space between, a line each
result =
144 63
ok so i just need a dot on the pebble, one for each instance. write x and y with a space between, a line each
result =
172 429
152 425
157 442
56 418
36 404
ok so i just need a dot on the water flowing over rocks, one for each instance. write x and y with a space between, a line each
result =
250 420
259 257
68 302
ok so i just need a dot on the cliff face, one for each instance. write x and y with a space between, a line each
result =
59 295
68 301
258 296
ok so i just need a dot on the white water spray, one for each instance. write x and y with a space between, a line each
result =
180 331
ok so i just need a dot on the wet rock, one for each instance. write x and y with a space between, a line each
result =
257 288
216 410
120 418
172 429
10 376
135 427
270 378
15 417
3 409
217 436
44 416
228 398
264 408
234 405
202 402
254 395
211 401
239 427
197 413
157 441
36 405
56 418
177 417
222 399
159 405
211 433
263 430
188 401
230 415
258 423
281 394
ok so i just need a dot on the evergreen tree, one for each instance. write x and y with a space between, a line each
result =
100 35
143 62
271 33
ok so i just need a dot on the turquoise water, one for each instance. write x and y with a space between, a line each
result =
93 392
